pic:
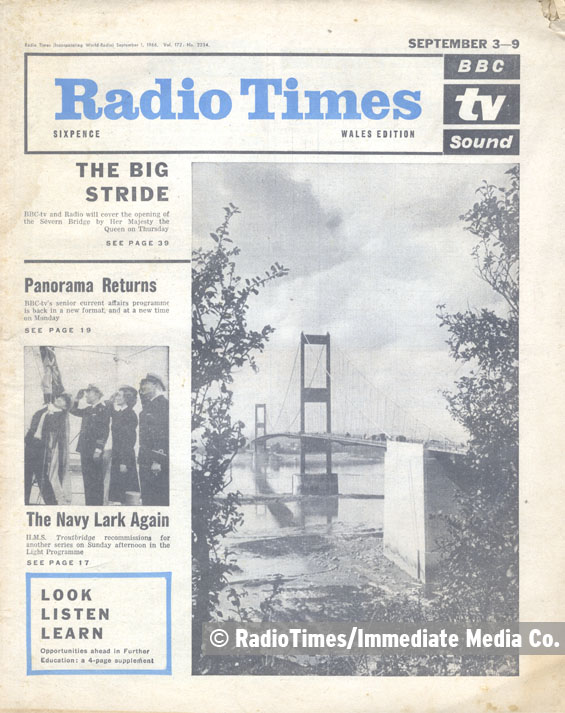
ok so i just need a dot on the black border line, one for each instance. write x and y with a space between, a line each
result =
217 54
250 152
233 54
25 103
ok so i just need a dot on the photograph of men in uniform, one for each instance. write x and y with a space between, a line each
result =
105 441
123 472
46 448
153 441
94 431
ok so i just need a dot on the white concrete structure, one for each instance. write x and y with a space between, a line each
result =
404 524
419 491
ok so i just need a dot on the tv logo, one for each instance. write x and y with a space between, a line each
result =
484 104
473 106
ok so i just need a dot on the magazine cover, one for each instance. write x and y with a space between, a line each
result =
282 391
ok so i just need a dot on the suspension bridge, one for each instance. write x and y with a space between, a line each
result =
323 389
329 402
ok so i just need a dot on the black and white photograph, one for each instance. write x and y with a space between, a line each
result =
354 403
351 214
96 425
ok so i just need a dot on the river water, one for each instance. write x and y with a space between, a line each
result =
281 530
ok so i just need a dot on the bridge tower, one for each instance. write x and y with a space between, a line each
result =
260 426
316 483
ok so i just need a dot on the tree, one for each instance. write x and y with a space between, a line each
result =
481 564
222 343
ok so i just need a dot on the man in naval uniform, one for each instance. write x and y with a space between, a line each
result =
46 446
94 431
153 441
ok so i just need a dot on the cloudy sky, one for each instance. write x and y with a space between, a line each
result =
372 250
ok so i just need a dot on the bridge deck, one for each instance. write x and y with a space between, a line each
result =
356 441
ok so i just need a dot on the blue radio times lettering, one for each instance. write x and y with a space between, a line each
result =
79 99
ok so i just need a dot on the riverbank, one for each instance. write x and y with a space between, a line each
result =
344 577
321 575
329 563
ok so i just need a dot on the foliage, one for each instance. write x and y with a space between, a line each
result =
267 607
481 563
222 343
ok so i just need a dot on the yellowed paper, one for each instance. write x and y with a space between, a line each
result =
359 196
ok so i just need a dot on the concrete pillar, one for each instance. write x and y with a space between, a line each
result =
404 531
420 488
